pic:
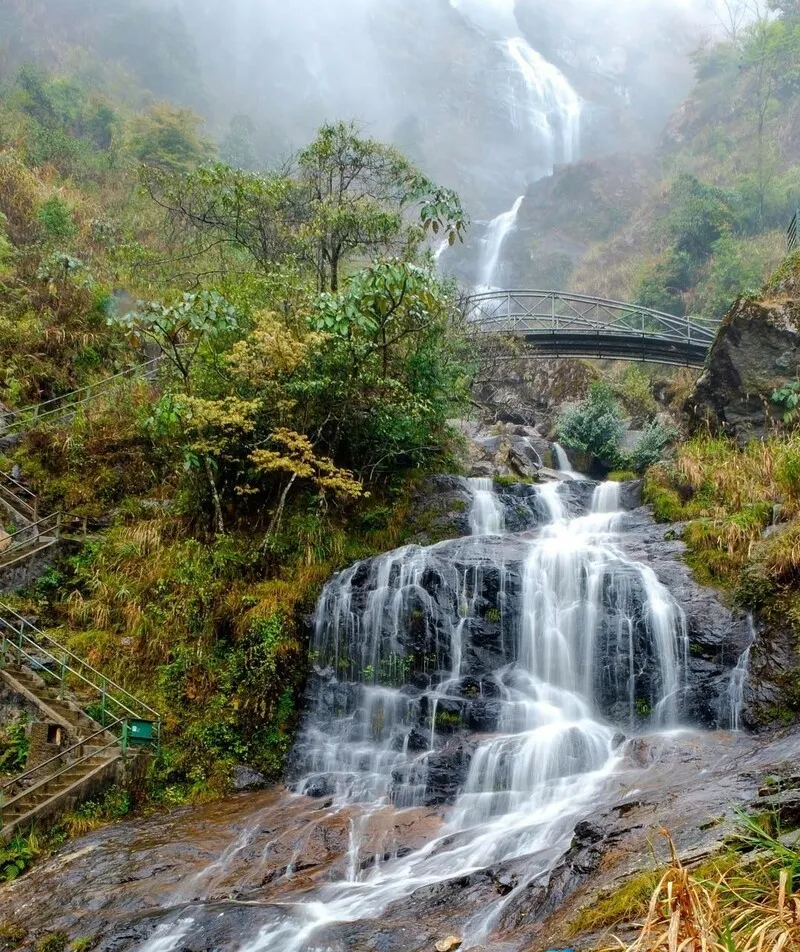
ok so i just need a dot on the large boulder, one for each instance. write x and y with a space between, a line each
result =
757 351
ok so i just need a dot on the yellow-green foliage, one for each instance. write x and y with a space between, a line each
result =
624 904
728 496
628 904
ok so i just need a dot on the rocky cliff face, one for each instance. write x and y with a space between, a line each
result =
756 352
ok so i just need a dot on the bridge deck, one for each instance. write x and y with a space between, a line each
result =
557 324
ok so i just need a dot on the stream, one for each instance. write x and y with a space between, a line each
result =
488 684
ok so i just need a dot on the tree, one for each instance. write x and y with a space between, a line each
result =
595 427
167 138
245 220
180 330
359 192
343 200
772 64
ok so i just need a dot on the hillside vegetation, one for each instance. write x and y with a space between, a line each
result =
725 180
311 357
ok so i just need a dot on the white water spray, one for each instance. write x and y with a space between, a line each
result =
486 515
583 621
564 464
738 681
496 233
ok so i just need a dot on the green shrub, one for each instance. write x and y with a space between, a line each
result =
56 218
595 427
622 476
55 942
636 393
14 747
648 450
115 804
18 855
12 935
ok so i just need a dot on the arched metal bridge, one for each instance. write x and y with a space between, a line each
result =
558 324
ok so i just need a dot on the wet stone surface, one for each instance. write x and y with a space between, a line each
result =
472 763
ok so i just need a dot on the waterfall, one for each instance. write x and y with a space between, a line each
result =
542 643
550 105
738 681
563 463
496 234
486 515
542 106
607 498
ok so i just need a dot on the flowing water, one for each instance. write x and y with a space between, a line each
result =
536 642
564 463
738 682
496 233
542 107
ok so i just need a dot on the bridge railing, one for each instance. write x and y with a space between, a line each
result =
553 312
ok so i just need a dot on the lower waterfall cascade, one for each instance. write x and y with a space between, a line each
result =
495 676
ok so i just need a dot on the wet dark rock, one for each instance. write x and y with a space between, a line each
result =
440 509
319 787
442 773
505 449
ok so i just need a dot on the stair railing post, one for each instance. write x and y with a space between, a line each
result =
158 736
125 737
58 525
63 691
103 704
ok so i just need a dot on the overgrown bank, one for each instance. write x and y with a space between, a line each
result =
311 357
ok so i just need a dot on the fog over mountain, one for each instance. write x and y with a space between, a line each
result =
486 95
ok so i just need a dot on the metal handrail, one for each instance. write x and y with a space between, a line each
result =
18 486
20 777
63 666
15 502
510 310
66 653
46 780
66 402
53 519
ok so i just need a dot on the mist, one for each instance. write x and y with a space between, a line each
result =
487 96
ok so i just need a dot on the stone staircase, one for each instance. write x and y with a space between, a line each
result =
74 755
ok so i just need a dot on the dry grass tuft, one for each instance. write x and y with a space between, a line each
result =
752 907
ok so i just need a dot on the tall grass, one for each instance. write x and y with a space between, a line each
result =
729 496
751 907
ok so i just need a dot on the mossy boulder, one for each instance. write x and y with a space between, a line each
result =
757 351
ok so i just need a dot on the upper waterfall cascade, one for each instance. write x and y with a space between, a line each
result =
542 105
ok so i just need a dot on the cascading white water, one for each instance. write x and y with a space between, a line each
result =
564 464
486 514
607 498
496 233
549 104
542 106
575 623
738 682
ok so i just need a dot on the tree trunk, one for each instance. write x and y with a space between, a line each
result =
220 522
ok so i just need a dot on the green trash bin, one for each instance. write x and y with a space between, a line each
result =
141 733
